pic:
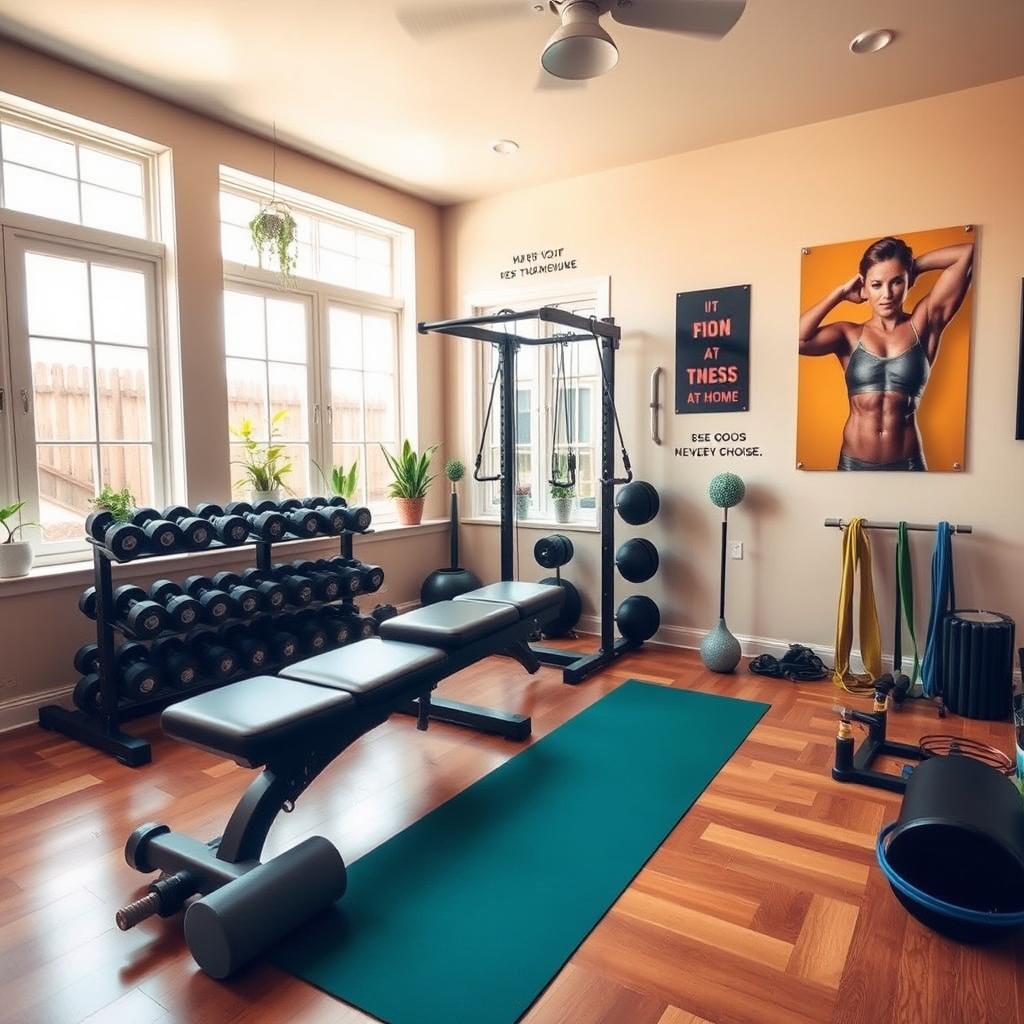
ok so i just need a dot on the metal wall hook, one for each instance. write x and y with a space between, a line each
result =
655 404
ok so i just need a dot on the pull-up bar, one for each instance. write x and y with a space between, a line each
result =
925 527
474 327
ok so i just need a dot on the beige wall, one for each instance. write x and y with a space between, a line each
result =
198 146
739 214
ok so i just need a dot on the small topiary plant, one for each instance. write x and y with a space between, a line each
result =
120 504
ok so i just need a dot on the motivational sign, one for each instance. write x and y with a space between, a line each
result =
713 350
537 262
727 444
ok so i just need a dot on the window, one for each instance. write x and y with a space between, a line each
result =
538 376
81 363
338 376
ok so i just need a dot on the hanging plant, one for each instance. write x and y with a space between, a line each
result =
273 234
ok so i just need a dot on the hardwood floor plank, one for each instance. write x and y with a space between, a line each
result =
824 941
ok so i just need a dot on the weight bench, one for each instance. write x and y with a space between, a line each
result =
293 726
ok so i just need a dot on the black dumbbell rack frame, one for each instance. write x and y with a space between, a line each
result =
103 729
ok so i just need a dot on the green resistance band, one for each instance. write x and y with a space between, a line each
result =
904 603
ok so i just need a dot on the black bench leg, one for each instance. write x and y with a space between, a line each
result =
521 651
423 712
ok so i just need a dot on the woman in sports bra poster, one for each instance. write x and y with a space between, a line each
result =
892 318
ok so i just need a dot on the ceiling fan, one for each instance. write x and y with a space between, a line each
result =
579 48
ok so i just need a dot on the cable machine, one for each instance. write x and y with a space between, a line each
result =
607 336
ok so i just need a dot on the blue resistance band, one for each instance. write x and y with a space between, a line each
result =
943 600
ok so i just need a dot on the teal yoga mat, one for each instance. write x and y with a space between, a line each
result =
466 916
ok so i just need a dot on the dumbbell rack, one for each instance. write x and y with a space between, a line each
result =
103 730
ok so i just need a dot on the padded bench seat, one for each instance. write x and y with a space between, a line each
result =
526 598
449 624
254 719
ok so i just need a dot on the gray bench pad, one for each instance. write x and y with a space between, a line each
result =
370 669
527 598
449 624
253 719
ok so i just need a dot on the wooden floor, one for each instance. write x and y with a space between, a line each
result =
764 905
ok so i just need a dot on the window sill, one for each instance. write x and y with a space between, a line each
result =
68 575
537 524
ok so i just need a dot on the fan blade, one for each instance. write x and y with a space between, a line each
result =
713 18
552 83
423 22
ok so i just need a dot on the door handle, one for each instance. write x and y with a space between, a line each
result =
24 399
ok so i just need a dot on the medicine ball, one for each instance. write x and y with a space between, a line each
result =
637 502
553 551
638 618
637 560
572 606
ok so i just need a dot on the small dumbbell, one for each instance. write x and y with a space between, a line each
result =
337 501
137 676
178 666
123 540
87 659
217 606
230 529
141 616
197 531
298 590
340 628
302 522
253 653
163 537
265 521
357 518
311 635
331 520
314 502
373 577
183 611
271 596
284 646
326 586
349 578
247 599
87 694
217 661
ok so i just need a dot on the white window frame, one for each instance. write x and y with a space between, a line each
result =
596 290
322 295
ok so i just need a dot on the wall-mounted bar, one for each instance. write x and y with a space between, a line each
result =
655 405
926 527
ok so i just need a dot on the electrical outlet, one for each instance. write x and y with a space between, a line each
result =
736 549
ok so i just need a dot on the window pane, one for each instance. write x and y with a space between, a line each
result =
526 359
523 419
370 277
379 343
111 171
333 236
131 466
381 420
347 405
586 423
346 339
288 395
122 393
119 305
345 455
67 485
113 211
337 269
378 477
58 296
374 248
286 330
297 481
244 327
303 227
236 244
36 150
62 382
40 193
304 260
247 394
237 209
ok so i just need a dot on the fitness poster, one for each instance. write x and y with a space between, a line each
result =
884 342
713 350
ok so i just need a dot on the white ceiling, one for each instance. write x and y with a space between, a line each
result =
343 80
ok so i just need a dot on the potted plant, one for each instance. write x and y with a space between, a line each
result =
265 465
273 234
562 495
120 504
341 481
444 584
524 495
411 480
15 555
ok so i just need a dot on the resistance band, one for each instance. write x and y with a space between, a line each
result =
857 551
904 603
943 600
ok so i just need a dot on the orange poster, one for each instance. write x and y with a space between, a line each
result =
885 340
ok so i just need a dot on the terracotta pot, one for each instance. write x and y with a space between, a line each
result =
410 510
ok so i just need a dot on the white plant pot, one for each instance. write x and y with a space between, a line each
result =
563 509
523 506
15 559
257 496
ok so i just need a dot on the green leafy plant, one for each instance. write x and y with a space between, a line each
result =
265 465
8 513
561 472
455 470
120 504
273 233
410 471
341 481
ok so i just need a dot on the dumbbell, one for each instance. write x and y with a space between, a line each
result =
123 540
297 589
331 520
270 596
137 676
371 576
183 611
162 536
216 660
248 599
140 615
264 521
350 579
311 635
357 518
178 666
87 659
253 653
230 529
341 629
314 502
198 534
326 586
361 626
337 501
553 551
87 694
284 646
217 606
302 522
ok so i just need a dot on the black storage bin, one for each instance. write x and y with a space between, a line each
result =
977 664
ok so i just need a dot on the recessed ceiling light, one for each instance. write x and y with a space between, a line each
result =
873 41
505 146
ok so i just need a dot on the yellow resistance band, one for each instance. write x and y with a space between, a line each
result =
857 549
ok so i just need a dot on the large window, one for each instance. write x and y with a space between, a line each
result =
324 350
81 361
570 373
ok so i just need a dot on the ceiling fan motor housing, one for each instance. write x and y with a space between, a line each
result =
579 47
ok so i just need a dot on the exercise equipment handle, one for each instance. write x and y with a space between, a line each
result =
655 404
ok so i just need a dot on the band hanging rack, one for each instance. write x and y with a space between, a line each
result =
922 527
